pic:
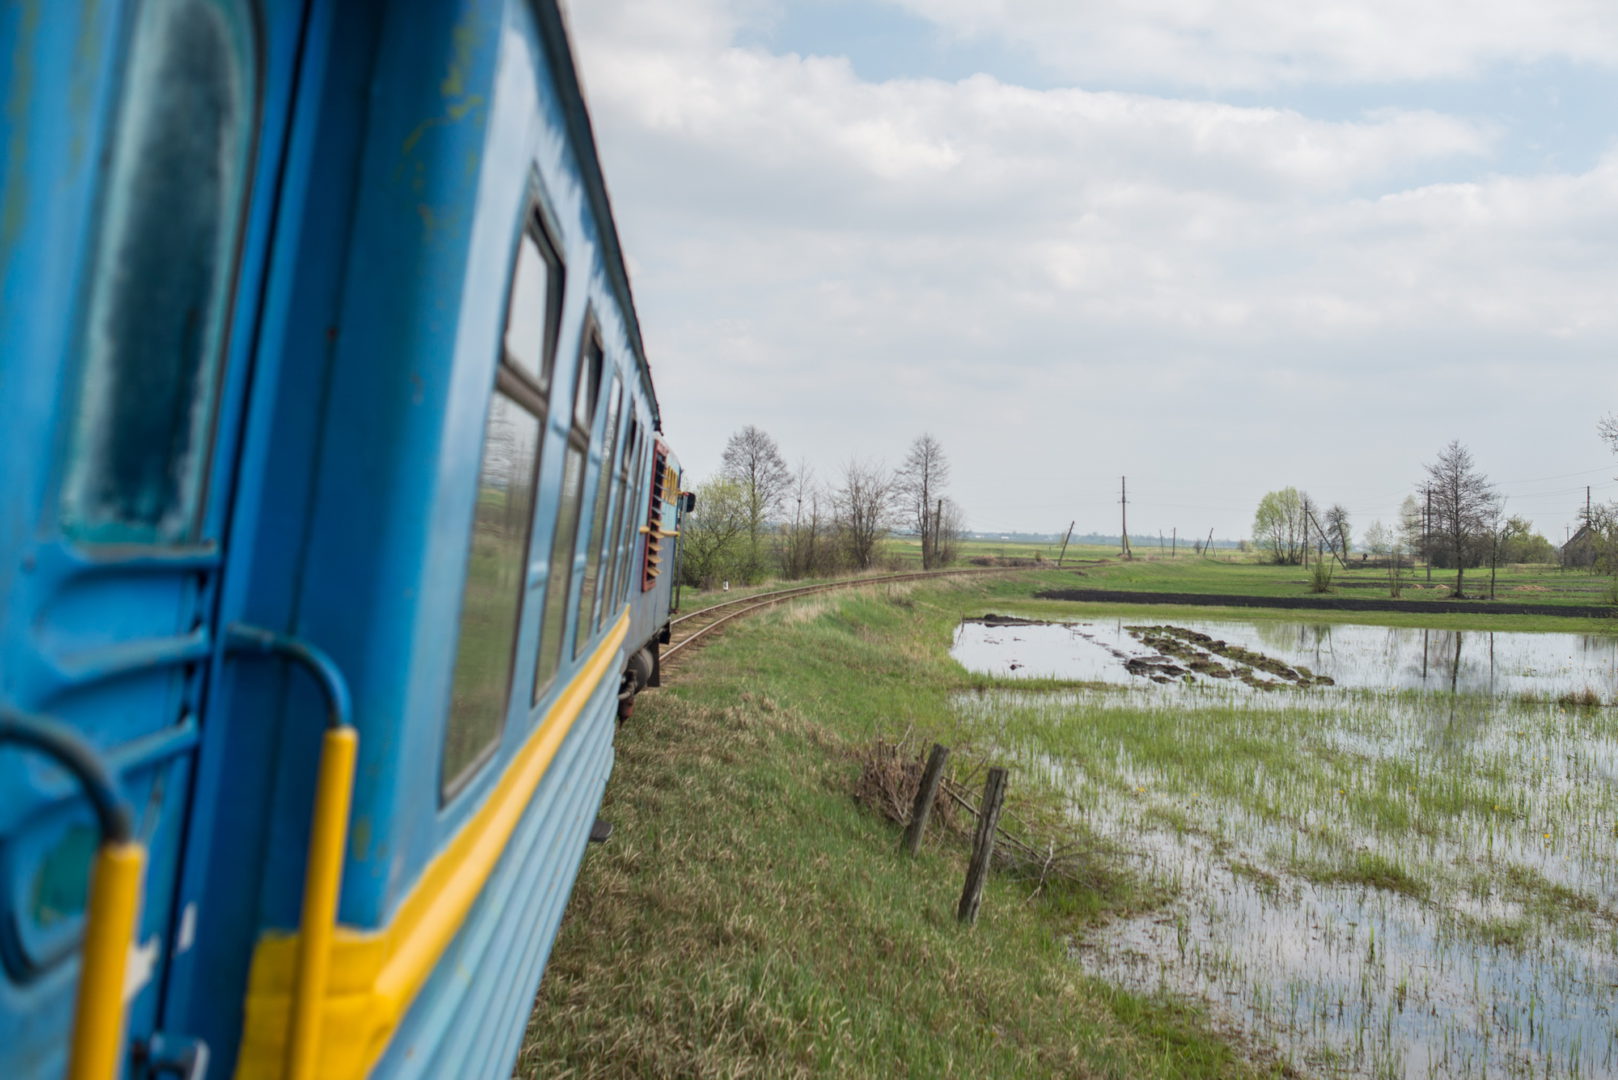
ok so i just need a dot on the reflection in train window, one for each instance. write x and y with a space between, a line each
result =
565 541
612 555
502 520
491 603
536 307
589 611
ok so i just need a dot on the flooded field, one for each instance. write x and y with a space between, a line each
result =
1383 877
1368 657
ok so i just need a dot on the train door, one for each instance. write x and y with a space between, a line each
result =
125 382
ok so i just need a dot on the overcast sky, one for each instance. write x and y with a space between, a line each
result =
1220 248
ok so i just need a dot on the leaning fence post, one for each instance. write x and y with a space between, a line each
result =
977 872
925 794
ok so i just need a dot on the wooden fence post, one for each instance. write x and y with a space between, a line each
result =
925 794
977 872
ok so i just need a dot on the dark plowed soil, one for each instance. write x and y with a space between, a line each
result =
1327 603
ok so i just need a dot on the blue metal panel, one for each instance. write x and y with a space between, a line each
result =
461 118
113 641
411 376
466 1020
394 154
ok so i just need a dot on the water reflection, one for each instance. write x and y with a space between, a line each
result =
1486 662
1382 883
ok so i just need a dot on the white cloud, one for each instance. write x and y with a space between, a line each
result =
1259 43
1066 281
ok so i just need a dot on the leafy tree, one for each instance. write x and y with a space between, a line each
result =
1463 506
1377 539
1386 543
752 459
951 526
1279 525
713 537
1520 544
1412 527
919 485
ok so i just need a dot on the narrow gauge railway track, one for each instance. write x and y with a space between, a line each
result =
691 627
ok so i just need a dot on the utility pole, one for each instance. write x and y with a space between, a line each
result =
1325 544
1123 501
1174 549
938 525
1427 532
1065 539
1587 504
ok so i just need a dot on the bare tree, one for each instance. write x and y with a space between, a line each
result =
1338 534
920 484
1463 507
804 544
753 460
864 504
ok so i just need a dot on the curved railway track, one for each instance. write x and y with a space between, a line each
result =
695 625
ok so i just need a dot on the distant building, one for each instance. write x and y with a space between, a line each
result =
1580 550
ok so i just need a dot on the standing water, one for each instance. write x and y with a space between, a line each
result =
1402 862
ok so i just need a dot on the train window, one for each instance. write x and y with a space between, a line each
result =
162 278
536 305
589 388
609 537
637 498
502 518
612 591
490 606
565 540
589 614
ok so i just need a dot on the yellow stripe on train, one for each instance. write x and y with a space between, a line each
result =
374 975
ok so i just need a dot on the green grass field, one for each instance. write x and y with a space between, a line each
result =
1244 573
748 918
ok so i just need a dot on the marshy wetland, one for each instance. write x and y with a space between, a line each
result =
1394 850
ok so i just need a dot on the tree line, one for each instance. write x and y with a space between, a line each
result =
758 516
1455 520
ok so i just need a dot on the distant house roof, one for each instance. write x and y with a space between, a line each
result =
1583 536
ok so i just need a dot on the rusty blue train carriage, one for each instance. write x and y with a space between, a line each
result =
337 530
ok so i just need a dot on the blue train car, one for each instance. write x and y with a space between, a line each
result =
336 531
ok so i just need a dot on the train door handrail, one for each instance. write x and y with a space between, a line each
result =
96 1047
328 835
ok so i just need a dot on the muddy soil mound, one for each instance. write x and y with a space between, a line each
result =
1327 603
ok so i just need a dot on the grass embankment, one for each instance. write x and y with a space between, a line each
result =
749 919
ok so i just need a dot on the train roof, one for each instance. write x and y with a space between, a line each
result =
553 32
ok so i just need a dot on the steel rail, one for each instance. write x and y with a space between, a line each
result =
748 604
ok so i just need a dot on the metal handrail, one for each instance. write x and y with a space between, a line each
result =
328 836
96 1049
